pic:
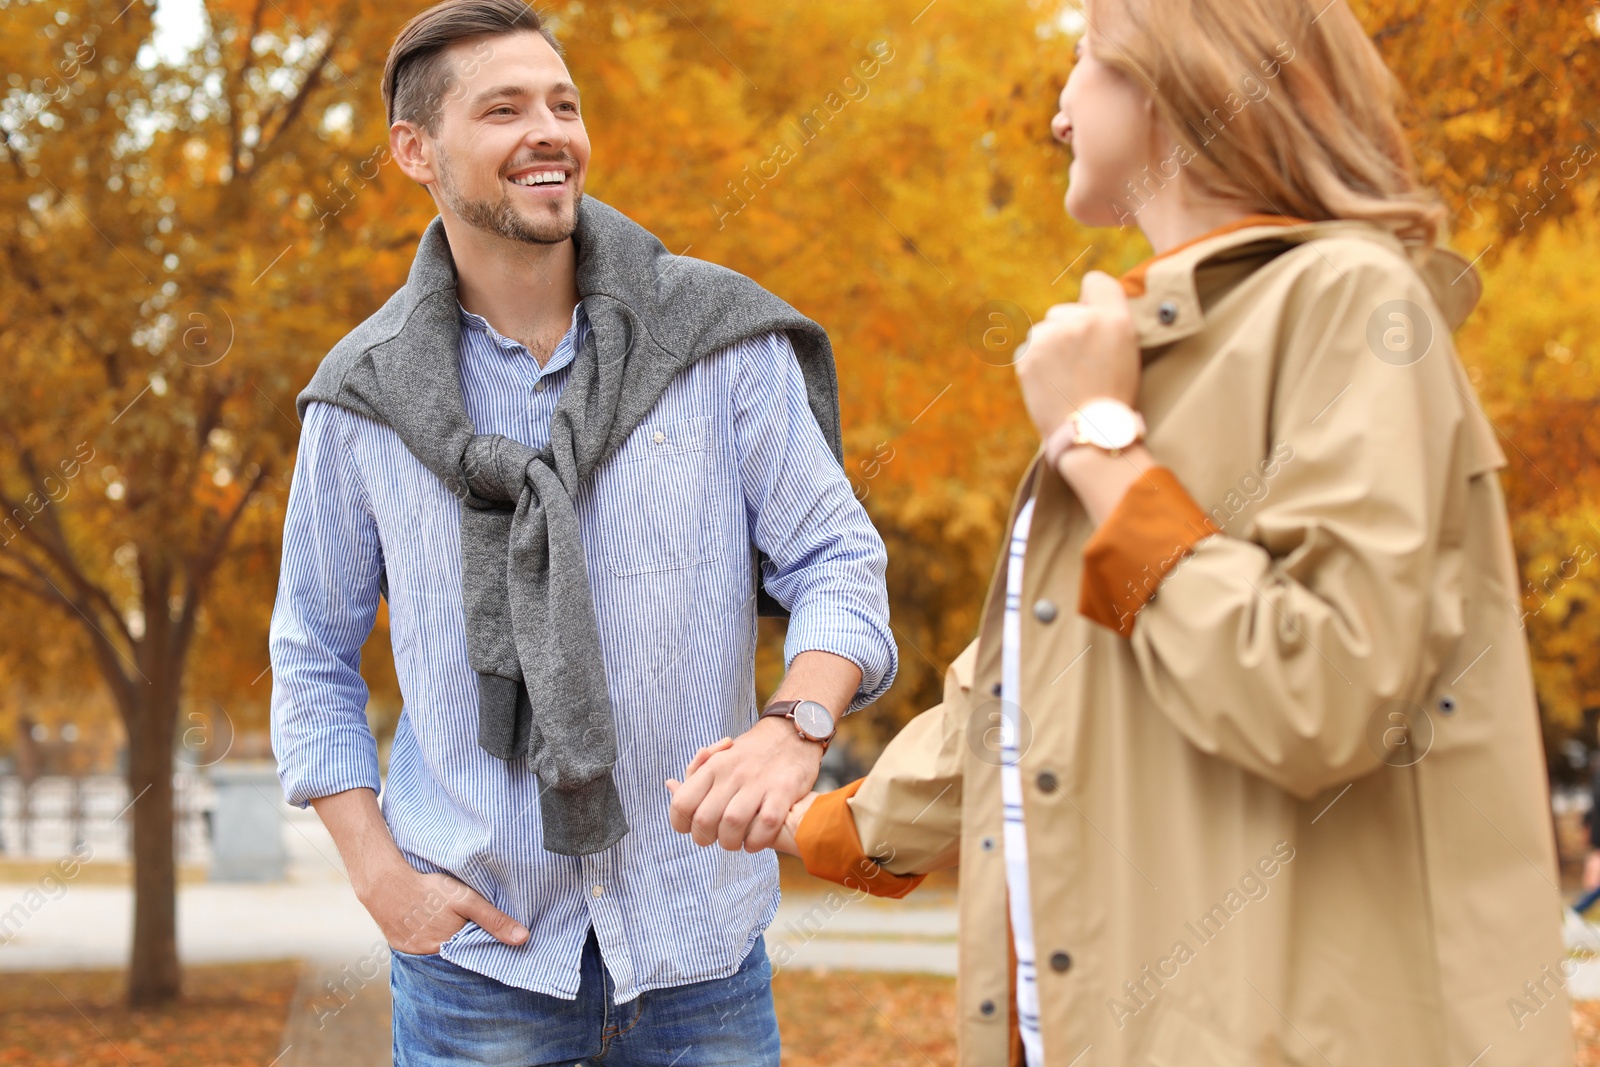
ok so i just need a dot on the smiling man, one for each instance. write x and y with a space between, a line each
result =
572 464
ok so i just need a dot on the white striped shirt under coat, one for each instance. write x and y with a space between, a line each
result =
1019 899
729 457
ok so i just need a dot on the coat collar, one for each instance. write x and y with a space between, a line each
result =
1165 294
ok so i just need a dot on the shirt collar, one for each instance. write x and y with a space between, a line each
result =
565 351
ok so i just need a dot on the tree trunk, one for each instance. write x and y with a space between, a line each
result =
153 975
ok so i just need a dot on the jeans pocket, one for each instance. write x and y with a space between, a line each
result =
437 953
397 954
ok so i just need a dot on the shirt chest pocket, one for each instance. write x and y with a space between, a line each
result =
652 498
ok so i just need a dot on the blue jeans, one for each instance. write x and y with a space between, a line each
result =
448 1016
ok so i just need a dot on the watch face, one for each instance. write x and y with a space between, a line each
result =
1108 424
814 720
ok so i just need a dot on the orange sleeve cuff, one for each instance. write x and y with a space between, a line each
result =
830 847
1154 525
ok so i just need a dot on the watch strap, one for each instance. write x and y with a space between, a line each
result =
781 709
1064 437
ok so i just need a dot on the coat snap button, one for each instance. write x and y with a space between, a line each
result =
1060 961
995 689
1047 782
1447 705
987 1007
1167 313
1044 609
987 844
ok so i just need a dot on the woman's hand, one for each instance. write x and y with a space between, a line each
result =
1080 352
791 825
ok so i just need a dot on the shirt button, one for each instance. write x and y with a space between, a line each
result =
1044 609
1046 781
1060 962
539 386
599 890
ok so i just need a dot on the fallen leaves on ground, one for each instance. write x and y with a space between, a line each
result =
229 1016
1586 1028
851 1019
233 1016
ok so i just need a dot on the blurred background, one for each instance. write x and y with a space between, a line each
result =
196 202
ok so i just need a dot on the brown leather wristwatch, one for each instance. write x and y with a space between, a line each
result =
812 721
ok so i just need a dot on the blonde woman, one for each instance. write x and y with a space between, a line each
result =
1269 785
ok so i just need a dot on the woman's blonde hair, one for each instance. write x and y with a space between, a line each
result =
1284 105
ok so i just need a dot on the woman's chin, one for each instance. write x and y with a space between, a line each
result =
1087 209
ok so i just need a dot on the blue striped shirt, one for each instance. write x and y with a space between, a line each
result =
729 457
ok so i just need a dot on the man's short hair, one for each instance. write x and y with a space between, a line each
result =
416 76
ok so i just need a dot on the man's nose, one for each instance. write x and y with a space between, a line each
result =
1059 126
546 131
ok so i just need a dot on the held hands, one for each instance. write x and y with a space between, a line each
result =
787 837
747 792
1080 352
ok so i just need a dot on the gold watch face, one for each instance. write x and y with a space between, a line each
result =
1107 424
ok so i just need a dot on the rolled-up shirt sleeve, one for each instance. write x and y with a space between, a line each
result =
825 561
328 591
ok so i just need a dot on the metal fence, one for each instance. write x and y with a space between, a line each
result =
55 814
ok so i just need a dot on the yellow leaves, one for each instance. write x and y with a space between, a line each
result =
908 195
1496 94
1533 346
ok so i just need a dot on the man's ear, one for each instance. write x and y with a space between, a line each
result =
410 149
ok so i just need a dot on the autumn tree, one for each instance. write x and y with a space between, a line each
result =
1530 350
1501 105
917 214
176 239
183 236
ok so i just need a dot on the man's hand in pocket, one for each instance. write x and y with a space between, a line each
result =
419 912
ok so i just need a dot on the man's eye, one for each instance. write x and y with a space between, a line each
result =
502 110
567 107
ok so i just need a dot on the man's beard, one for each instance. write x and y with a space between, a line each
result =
501 218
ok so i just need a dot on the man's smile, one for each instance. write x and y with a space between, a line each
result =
543 179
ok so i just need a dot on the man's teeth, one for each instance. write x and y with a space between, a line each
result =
541 177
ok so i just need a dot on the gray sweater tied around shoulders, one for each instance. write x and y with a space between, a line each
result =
531 631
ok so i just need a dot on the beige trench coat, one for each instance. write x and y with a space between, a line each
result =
1300 817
